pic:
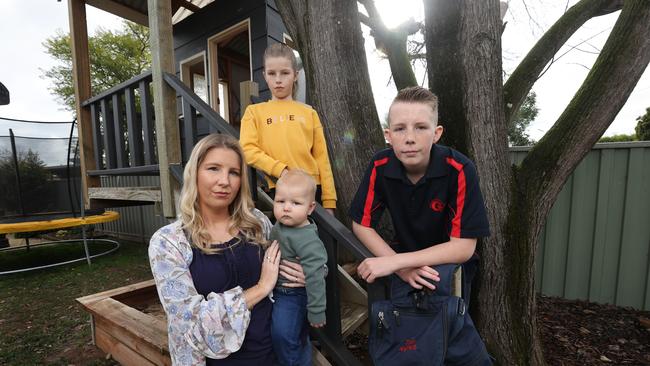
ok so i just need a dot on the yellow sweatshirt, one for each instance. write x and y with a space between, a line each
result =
279 133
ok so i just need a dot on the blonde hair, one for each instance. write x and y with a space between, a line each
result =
299 177
282 50
240 209
416 94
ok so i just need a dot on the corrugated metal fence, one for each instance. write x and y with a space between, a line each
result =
596 243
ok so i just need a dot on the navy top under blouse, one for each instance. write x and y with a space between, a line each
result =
238 264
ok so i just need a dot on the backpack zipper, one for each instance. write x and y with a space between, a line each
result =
403 310
381 324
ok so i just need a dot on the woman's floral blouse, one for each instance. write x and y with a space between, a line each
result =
198 327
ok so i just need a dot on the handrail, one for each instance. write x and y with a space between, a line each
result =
177 172
117 88
340 232
334 227
200 105
210 115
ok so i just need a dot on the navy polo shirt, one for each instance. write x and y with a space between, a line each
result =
445 202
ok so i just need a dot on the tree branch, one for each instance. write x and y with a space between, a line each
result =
613 6
526 74
370 8
294 22
364 19
608 85
392 43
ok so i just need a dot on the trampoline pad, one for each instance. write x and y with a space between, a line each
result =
52 221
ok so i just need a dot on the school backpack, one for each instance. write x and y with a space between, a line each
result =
424 327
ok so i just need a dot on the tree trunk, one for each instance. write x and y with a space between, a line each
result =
442 39
329 39
463 40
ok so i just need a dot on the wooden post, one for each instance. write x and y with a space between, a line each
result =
247 89
82 91
167 134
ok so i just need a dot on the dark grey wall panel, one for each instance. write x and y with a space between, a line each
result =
213 18
275 26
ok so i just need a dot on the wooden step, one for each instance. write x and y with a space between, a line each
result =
354 304
352 317
104 197
317 358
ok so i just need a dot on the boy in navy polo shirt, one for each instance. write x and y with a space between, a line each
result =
430 190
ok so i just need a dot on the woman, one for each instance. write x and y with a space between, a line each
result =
210 267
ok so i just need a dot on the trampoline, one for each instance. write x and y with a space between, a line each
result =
46 222
114 246
53 221
40 178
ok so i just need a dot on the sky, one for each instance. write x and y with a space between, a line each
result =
23 58
524 27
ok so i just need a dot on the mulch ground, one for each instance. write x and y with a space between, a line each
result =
578 333
584 333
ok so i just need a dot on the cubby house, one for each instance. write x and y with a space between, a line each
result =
206 68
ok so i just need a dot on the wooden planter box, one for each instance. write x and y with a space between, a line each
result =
128 323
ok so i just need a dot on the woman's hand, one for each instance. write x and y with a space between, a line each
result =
331 211
268 276
292 272
270 267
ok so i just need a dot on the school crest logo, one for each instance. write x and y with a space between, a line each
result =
437 205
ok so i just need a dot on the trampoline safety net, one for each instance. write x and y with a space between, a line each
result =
48 176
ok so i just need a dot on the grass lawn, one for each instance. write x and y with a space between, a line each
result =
40 323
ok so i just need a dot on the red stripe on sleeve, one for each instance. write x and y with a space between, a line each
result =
367 208
460 198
